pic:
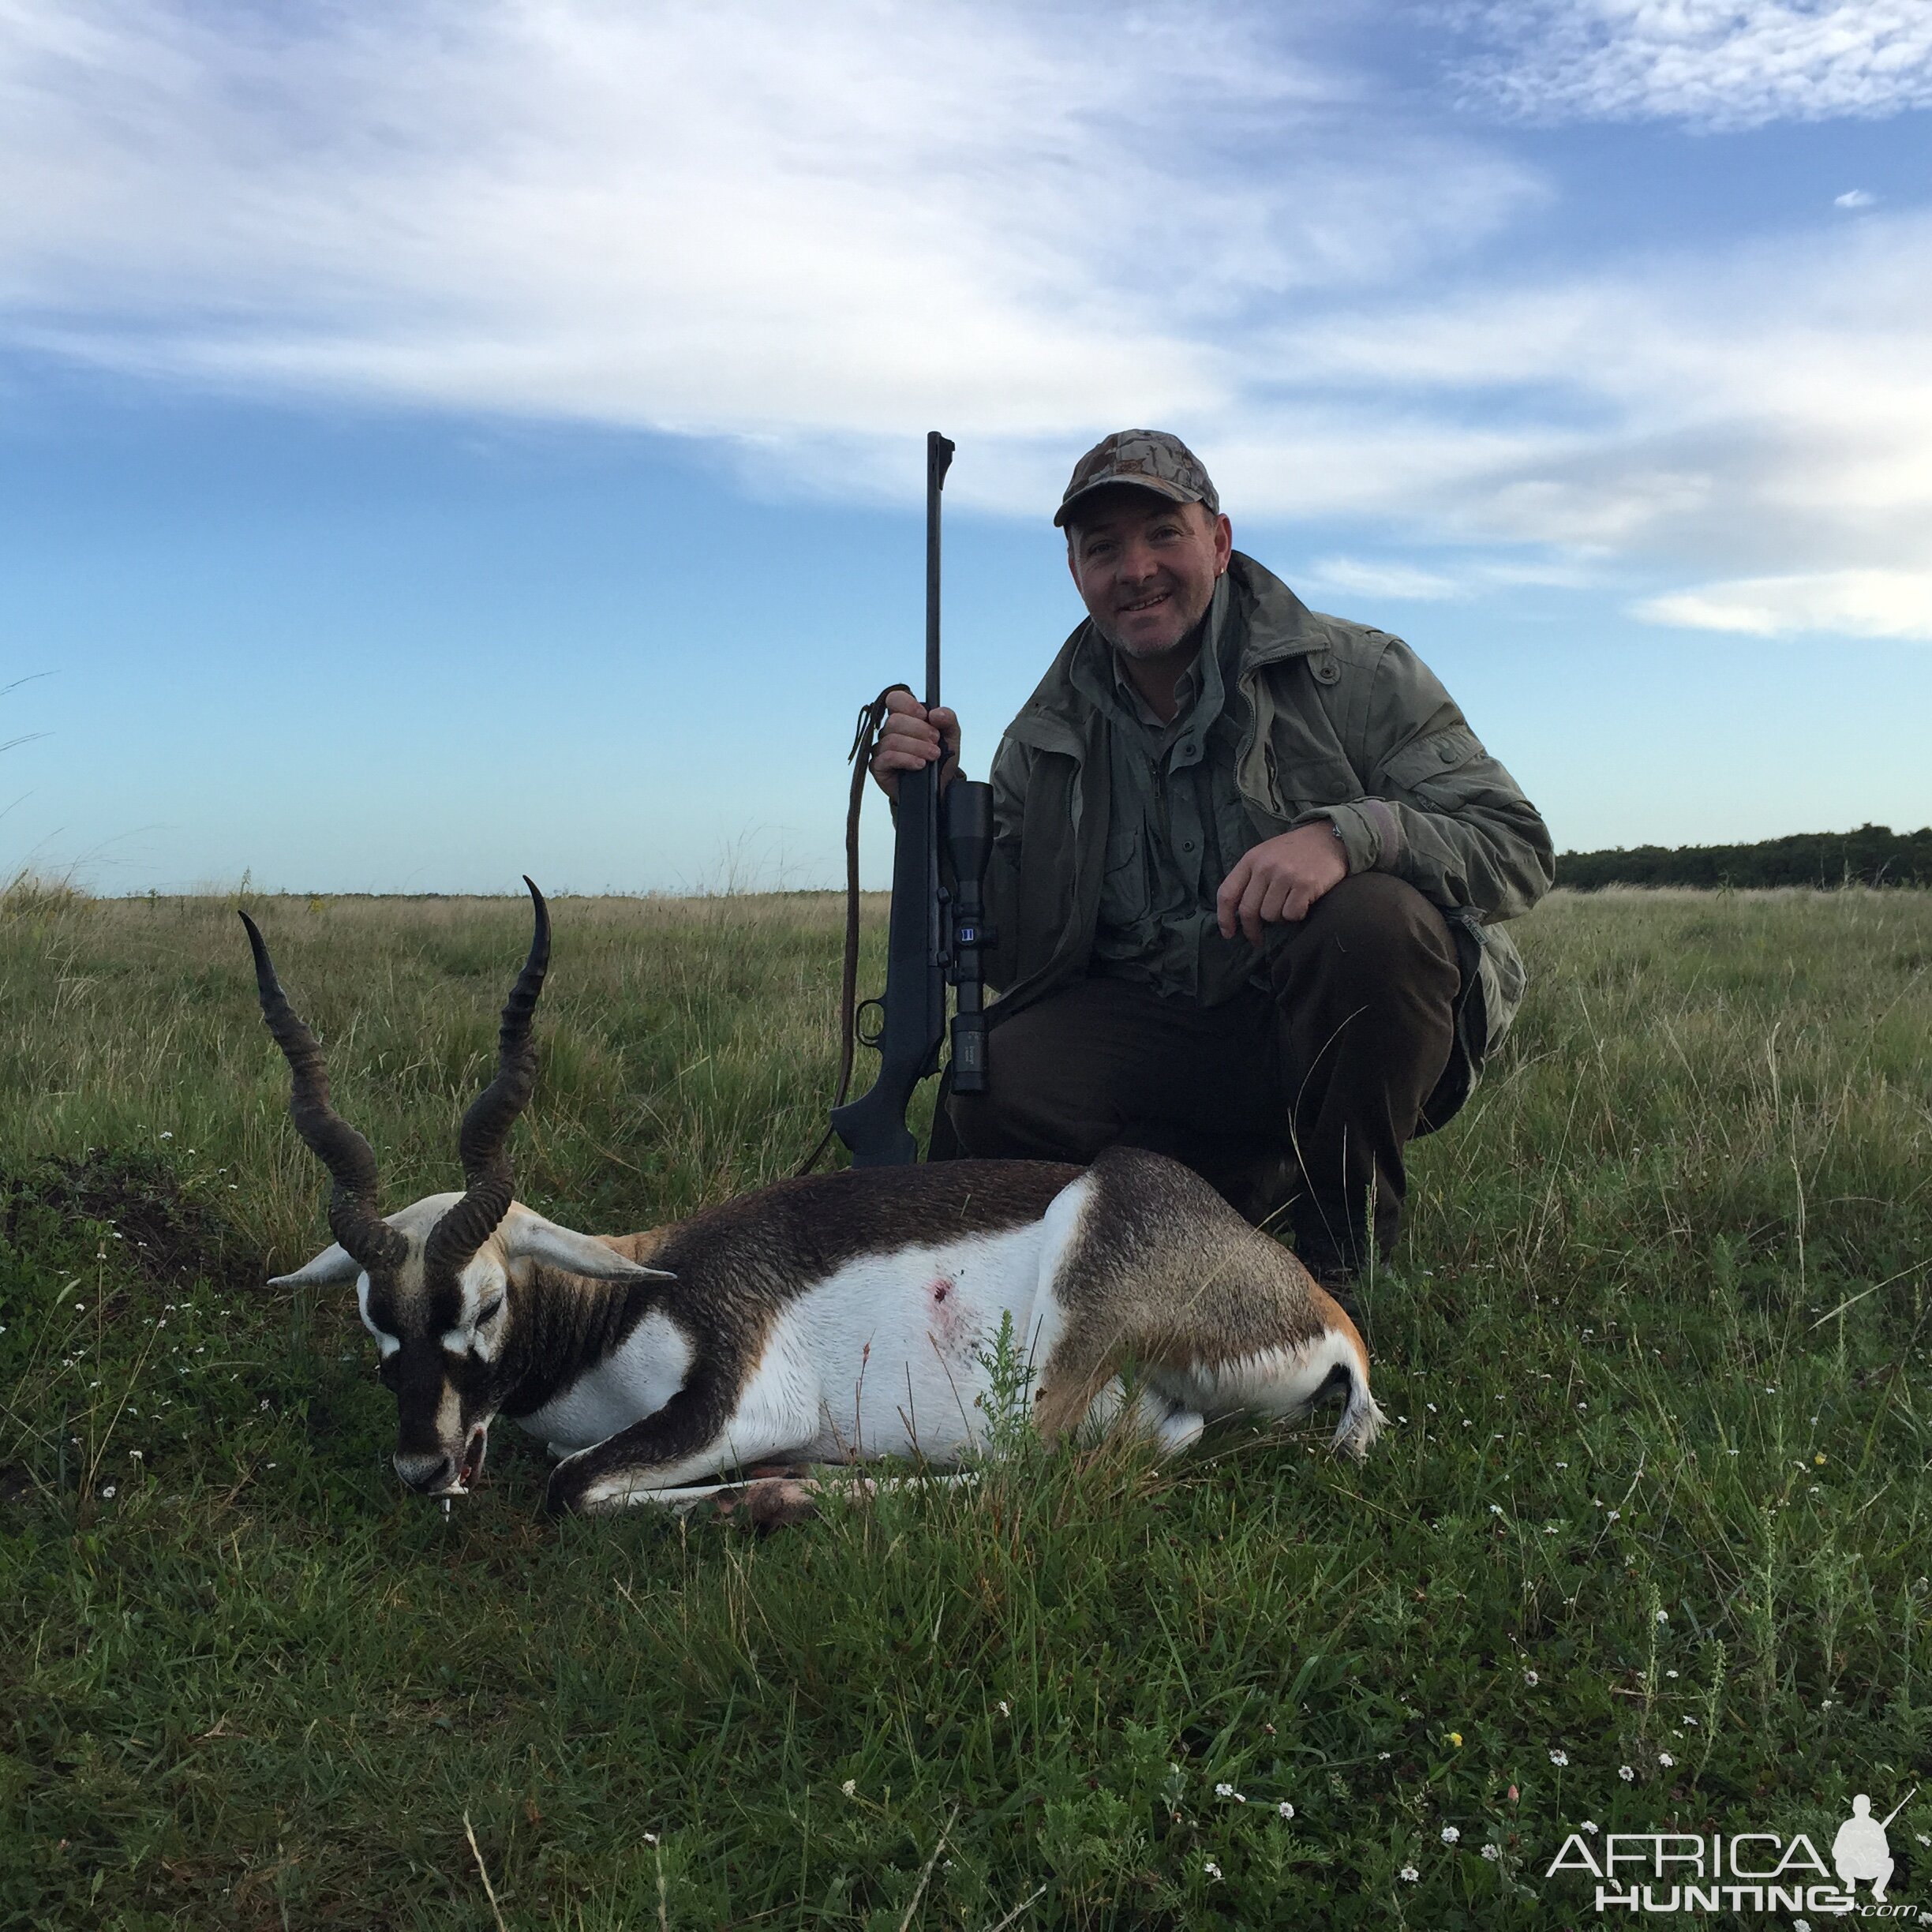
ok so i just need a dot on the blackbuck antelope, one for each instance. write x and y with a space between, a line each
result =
833 1318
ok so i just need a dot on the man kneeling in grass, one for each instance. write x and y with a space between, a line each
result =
1249 872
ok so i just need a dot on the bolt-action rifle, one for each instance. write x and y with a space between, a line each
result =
937 928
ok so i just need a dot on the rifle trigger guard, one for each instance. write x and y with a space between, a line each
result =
870 1014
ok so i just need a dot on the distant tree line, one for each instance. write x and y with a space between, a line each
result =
1872 855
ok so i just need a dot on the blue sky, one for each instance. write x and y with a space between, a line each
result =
441 441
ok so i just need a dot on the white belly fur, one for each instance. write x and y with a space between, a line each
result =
883 1364
873 1360
634 1380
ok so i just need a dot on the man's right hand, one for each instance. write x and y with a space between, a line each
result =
910 739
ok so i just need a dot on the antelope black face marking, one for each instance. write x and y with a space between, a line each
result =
386 1343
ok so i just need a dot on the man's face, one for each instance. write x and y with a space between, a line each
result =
1145 567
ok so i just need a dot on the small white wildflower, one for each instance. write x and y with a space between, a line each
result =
1589 1825
1224 1791
1408 1874
1492 1852
1563 1465
1496 1509
1004 1708
1450 1834
1669 1673
1531 1678
1559 1758
1923 1839
1211 1869
1286 1809
1613 1515
1665 1759
166 1135
1801 1925
650 1838
1625 1773
108 1493
850 1787
1382 1756
1663 1616
1692 1722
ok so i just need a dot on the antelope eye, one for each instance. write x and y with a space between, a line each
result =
488 1311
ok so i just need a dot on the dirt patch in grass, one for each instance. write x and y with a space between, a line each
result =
172 1238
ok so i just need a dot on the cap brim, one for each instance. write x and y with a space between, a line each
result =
1158 486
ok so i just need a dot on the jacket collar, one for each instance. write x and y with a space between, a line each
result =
1275 622
1280 624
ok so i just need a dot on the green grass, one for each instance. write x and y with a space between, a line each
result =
1657 1499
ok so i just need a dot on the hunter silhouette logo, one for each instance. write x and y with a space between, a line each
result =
1861 1850
1671 1872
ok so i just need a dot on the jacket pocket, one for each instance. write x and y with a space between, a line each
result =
1426 767
1125 896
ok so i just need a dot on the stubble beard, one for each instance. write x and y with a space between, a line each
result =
1145 650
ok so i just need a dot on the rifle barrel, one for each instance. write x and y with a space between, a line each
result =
939 460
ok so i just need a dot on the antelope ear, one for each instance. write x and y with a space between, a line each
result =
335 1263
528 1237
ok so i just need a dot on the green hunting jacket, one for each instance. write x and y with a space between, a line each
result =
1344 723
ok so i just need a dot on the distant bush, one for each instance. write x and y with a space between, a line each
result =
1872 855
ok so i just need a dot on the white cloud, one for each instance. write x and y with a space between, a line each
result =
1389 580
745 219
1719 64
1854 198
1718 411
809 234
1879 603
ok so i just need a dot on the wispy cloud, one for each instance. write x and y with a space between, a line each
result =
1880 604
1402 581
1719 64
1718 415
815 232
1854 198
743 220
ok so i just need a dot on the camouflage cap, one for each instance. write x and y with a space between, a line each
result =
1147 459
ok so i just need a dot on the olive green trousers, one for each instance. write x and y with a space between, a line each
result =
1296 1101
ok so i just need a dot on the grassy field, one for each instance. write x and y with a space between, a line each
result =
1648 1546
